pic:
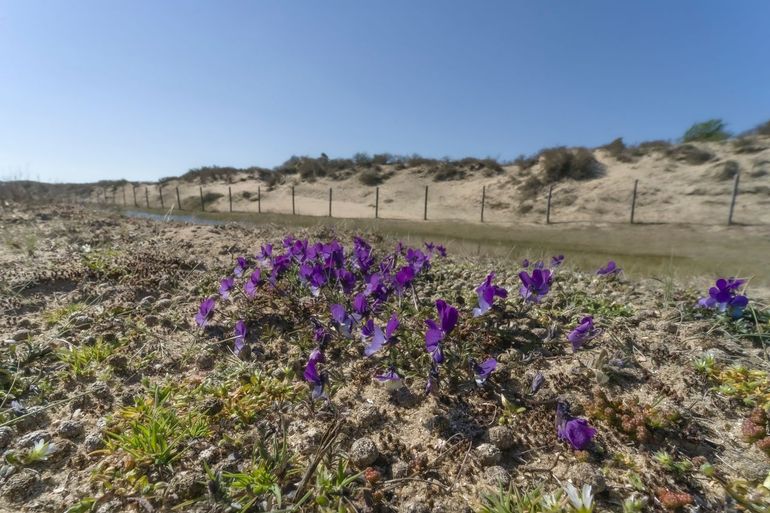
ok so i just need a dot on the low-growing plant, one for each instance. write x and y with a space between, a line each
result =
85 360
710 130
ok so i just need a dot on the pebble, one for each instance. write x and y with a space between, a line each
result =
21 335
363 452
366 415
21 486
29 439
415 506
188 485
93 442
36 417
399 470
488 454
6 436
162 303
70 429
501 436
497 476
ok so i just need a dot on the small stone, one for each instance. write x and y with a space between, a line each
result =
93 442
70 429
35 417
21 335
208 455
399 469
22 486
6 436
437 423
497 476
415 506
188 485
501 436
205 361
100 391
488 454
162 303
586 474
366 415
363 452
151 320
146 301
89 340
30 438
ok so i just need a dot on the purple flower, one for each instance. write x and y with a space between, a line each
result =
525 263
315 378
556 261
724 297
584 332
255 279
404 278
573 430
360 307
483 370
240 336
535 286
379 338
418 260
438 331
241 265
225 285
389 378
610 269
362 252
538 265
347 280
344 321
487 292
537 382
205 311
321 336
431 386
265 255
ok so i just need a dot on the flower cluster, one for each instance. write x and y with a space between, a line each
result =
724 297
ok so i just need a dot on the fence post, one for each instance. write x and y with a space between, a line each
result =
425 207
732 201
548 206
146 197
259 199
293 212
160 191
203 207
124 196
483 199
230 196
133 189
330 201
178 201
633 201
377 203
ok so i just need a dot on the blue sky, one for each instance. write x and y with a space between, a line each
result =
94 89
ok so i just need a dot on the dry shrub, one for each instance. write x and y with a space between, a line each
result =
370 177
690 153
725 171
576 163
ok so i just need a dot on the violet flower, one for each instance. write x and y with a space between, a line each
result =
315 378
344 321
225 286
482 370
724 297
577 432
404 278
205 311
363 255
360 307
240 337
254 281
487 293
241 265
584 332
610 269
535 286
525 263
537 382
390 379
431 386
438 331
556 261
347 280
379 339
265 255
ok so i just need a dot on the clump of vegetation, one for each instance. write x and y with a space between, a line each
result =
371 177
710 130
690 153
575 163
750 387
638 421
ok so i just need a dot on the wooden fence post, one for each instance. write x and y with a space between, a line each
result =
203 207
133 189
160 191
178 201
259 199
330 201
483 199
377 203
633 201
146 196
293 212
230 196
732 201
425 207
548 206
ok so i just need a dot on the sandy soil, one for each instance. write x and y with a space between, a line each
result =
670 191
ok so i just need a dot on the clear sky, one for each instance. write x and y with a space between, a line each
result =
101 89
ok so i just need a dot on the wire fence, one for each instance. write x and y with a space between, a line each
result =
492 204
